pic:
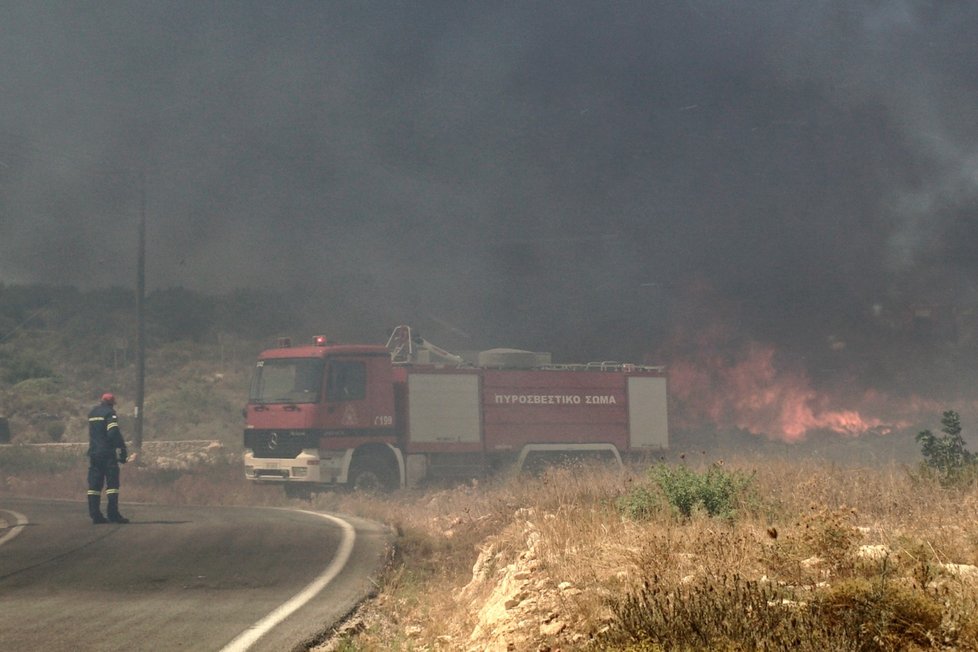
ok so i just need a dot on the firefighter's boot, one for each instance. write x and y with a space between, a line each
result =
95 509
113 510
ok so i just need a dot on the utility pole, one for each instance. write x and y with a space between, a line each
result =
137 435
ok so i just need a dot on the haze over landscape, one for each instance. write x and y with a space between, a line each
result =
778 201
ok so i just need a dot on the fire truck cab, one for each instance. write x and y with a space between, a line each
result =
339 394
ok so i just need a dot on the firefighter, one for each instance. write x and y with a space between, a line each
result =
106 451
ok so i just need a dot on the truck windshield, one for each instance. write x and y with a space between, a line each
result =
287 380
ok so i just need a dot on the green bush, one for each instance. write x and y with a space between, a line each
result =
33 388
19 366
640 503
948 456
716 491
38 410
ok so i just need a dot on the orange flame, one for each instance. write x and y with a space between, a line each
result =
751 393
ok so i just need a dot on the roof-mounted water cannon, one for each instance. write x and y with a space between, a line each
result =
284 342
407 348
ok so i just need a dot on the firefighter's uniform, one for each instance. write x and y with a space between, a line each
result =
106 450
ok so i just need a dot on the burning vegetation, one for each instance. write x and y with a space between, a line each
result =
888 376
749 391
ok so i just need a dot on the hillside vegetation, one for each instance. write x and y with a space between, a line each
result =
61 347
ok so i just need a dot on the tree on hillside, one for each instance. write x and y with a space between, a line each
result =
947 455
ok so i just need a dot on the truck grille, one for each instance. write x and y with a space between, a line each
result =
282 444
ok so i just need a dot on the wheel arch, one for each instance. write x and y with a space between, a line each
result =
383 452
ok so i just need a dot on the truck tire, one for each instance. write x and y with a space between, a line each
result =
371 477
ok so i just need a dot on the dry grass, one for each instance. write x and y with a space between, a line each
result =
840 558
824 556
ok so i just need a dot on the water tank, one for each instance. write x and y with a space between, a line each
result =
512 359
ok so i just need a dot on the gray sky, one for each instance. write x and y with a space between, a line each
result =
515 169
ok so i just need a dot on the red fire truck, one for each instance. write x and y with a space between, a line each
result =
382 417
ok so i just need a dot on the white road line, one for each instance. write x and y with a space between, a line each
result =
248 637
21 521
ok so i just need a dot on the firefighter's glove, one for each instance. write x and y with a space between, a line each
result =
122 458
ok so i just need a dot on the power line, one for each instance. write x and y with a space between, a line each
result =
22 324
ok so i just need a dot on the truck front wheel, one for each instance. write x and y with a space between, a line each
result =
371 478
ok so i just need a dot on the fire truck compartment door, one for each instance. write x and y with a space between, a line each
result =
444 408
647 418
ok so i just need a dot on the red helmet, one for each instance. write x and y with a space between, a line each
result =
108 398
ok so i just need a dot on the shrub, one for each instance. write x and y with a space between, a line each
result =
641 503
38 410
731 613
948 456
716 491
18 367
832 536
194 409
679 484
884 614
55 430
719 613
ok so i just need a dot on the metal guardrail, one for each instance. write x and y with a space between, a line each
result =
607 365
153 446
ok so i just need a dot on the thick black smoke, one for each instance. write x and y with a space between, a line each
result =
526 173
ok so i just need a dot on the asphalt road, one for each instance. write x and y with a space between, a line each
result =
178 578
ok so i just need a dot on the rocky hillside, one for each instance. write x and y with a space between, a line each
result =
60 348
